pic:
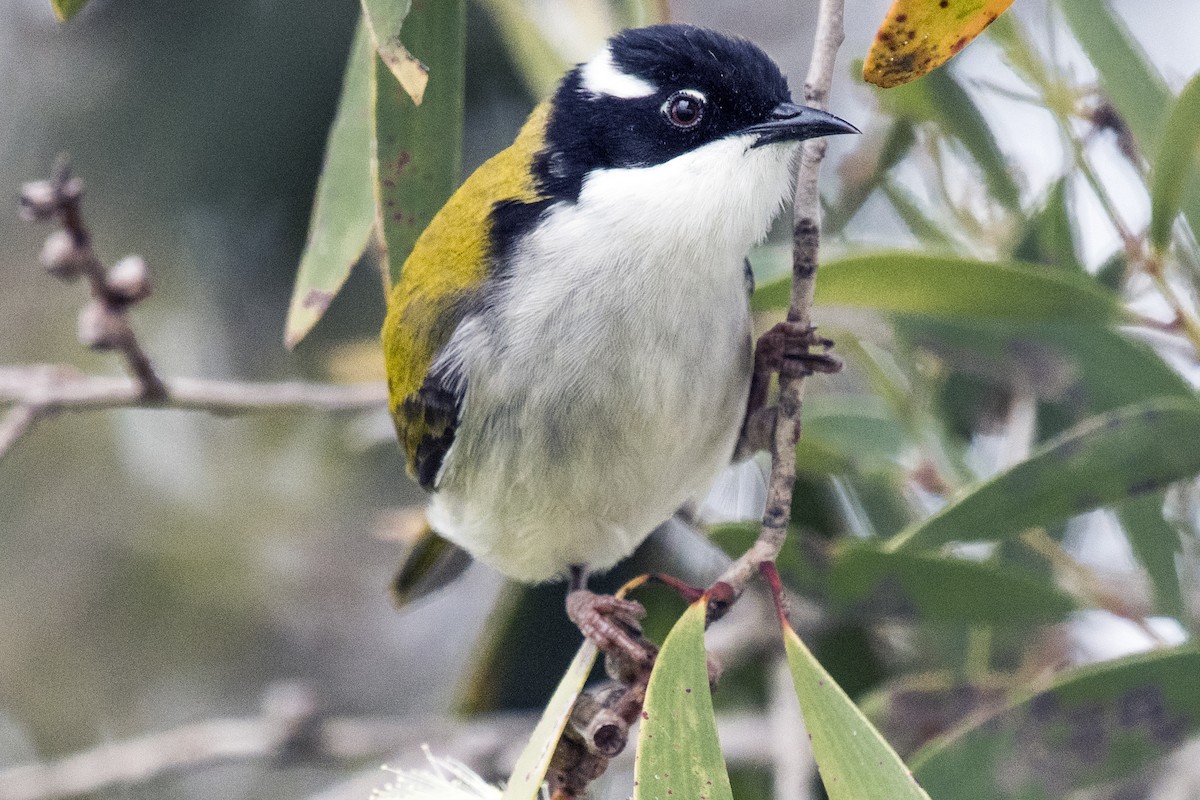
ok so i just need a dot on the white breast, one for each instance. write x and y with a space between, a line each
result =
609 384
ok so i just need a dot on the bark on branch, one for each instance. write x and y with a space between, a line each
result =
35 392
805 245
49 388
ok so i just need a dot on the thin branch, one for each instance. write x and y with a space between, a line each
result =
104 323
42 390
805 244
51 388
38 391
489 745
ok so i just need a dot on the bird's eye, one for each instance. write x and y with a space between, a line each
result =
684 109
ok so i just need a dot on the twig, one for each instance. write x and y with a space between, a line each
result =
805 243
51 388
68 255
41 390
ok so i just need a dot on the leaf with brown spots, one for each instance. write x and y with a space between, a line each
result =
1104 460
1091 726
418 148
920 35
384 18
344 208
678 754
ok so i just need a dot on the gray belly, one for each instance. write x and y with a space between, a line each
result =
588 422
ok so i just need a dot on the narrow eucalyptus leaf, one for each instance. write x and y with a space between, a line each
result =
1175 165
678 754
1092 726
949 286
855 761
418 149
530 771
1106 459
384 19
344 207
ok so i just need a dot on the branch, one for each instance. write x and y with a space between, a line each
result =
49 388
68 255
291 731
805 243
39 391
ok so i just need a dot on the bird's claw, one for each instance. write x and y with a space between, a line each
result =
787 349
611 623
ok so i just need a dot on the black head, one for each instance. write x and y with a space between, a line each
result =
658 92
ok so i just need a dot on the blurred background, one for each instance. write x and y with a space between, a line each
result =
162 567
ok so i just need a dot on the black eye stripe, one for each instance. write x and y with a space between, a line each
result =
684 109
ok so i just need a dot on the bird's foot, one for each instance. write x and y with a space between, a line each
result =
611 623
787 350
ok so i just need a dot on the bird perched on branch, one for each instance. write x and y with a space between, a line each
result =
569 344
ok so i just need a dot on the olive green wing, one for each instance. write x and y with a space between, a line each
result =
440 283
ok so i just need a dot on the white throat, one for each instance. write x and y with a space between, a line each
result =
721 194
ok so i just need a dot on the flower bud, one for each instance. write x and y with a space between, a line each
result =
39 201
61 257
129 279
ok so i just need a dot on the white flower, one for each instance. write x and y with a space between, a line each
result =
446 779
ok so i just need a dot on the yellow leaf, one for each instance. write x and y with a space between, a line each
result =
920 35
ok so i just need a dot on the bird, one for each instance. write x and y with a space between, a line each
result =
568 346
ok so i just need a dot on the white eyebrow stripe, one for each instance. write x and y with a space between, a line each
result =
600 76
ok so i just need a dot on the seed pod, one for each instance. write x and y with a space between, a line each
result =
61 257
102 327
129 279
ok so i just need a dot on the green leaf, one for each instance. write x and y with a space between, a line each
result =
863 179
65 9
1175 165
1072 366
384 20
637 13
538 63
942 589
1139 94
678 754
1048 237
1018 50
530 770
1156 544
912 215
847 433
1092 726
344 207
1105 459
854 760
1135 88
938 98
949 286
418 149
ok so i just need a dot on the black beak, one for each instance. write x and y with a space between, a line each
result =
789 122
